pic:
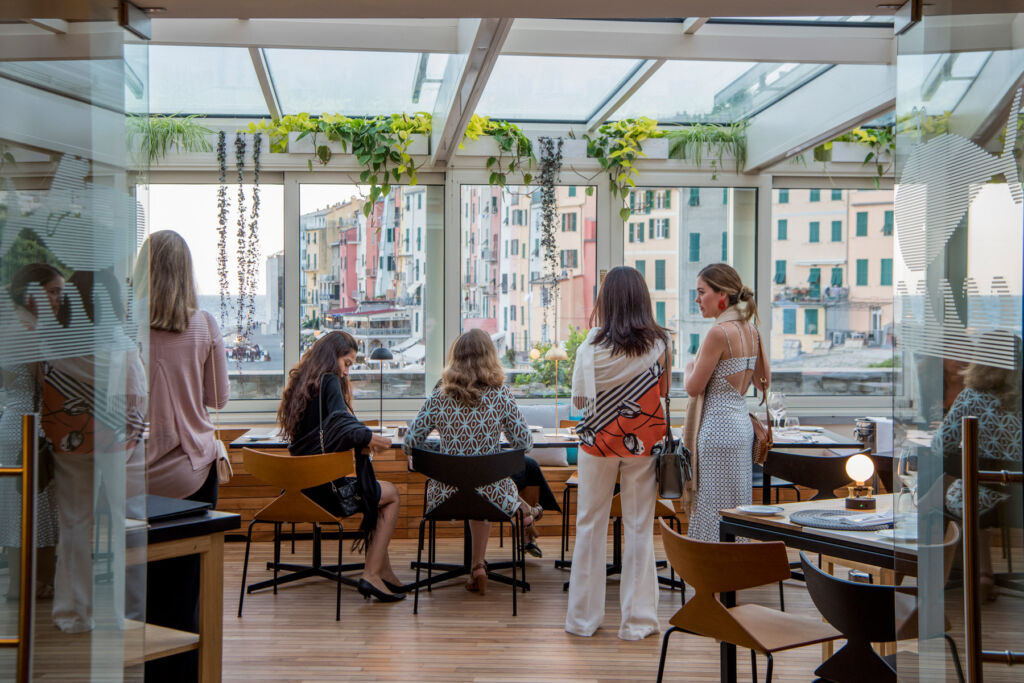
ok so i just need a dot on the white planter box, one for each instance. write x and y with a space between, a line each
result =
655 148
571 147
483 146
855 152
420 144
176 156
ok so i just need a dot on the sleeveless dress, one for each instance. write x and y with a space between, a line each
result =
724 443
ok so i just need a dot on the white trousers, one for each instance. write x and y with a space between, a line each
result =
638 588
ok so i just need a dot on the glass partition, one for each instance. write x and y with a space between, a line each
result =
671 234
958 286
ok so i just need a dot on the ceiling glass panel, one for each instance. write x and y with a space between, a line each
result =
203 80
551 88
715 92
355 83
96 81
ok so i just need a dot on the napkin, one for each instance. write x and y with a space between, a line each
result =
870 519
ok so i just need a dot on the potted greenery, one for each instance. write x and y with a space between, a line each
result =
506 147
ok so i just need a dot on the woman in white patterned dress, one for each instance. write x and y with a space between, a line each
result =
725 366
470 408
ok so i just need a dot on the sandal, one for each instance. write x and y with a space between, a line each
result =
530 514
477 582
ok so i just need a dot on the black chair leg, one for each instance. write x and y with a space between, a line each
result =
278 527
770 663
956 657
753 665
293 538
515 561
664 651
501 534
782 598
341 534
419 565
245 567
431 554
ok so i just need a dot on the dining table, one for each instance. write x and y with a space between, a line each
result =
896 550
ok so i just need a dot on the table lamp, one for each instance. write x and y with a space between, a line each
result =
860 468
381 354
556 353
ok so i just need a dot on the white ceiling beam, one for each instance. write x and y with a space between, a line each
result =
693 24
841 98
392 36
259 64
718 42
480 43
57 26
625 91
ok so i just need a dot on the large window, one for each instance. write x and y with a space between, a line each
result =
527 290
256 365
718 223
833 334
367 275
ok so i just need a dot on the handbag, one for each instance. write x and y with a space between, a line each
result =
223 462
345 490
672 467
762 430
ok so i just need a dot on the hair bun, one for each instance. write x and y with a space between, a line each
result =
746 294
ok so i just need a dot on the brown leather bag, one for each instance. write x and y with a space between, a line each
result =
762 430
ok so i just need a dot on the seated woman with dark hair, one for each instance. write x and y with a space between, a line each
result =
319 398
470 408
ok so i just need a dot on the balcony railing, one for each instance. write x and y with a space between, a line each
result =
378 332
809 295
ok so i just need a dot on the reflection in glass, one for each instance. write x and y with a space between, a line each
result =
200 80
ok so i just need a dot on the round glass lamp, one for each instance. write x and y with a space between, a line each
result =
860 468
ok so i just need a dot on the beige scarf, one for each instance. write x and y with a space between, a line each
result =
694 413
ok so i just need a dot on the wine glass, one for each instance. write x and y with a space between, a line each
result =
791 425
777 407
906 472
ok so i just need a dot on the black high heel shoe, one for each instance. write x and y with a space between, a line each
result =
395 587
368 590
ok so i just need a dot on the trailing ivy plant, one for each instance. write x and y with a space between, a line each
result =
222 226
515 151
617 147
380 144
155 136
252 246
243 284
550 166
711 139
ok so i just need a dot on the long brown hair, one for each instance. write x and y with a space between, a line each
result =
623 312
723 279
304 379
40 274
472 367
172 284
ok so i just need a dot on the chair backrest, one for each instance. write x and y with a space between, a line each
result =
466 473
823 473
884 465
716 568
294 473
863 612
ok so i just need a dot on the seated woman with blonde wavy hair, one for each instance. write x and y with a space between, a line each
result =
470 408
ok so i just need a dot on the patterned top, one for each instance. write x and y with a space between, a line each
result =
471 430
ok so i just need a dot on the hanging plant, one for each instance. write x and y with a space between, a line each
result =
252 247
550 166
617 147
155 136
515 151
880 145
240 237
711 139
380 144
222 227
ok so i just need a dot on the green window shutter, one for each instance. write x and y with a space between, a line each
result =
814 278
650 229
659 274
659 312
694 344
887 272
837 277
725 196
810 321
640 232
572 191
668 199
889 223
815 231
862 272
694 196
837 231
780 272
648 200
815 195
862 224
666 228
789 321
783 196
632 201
641 266
725 247
563 222
783 229
837 195
694 247
630 232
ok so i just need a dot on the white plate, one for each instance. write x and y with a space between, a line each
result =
898 534
766 510
535 428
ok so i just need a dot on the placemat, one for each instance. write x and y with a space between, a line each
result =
834 519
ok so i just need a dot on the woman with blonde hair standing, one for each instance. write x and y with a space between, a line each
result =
188 374
718 425
620 375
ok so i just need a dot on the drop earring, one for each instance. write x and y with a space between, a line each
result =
721 304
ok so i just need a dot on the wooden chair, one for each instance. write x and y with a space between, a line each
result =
713 568
868 613
293 474
466 473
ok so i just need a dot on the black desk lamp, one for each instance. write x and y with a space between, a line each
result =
381 354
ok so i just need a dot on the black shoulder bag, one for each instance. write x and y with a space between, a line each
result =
347 492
